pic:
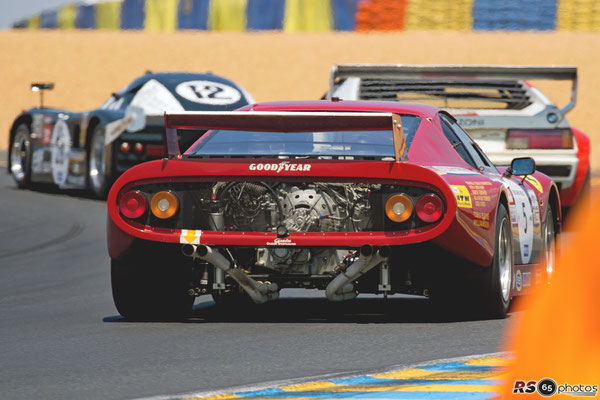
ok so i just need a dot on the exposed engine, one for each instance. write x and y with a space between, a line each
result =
287 207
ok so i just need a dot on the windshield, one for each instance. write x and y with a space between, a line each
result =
362 143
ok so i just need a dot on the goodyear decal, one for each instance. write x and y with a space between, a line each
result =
463 197
535 183
190 236
467 378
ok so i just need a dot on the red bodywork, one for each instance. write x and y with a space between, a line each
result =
468 232
569 196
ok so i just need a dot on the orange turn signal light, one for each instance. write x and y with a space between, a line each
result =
399 207
164 205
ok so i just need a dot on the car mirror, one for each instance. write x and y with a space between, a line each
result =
522 166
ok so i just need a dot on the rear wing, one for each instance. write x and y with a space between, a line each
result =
283 122
452 73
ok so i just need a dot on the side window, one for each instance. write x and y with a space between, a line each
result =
473 148
458 145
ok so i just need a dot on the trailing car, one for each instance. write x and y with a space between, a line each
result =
502 112
91 149
348 197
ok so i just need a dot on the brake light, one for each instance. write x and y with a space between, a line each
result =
125 148
164 205
539 139
429 208
399 208
138 148
133 204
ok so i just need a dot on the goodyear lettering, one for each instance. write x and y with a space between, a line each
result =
282 166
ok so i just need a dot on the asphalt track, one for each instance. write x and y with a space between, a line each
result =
61 337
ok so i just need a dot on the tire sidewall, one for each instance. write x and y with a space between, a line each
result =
101 190
548 219
26 181
498 305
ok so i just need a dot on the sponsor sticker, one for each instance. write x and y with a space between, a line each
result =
535 183
190 236
61 147
278 167
47 130
526 278
524 214
519 281
463 197
513 215
208 92
453 170
535 207
281 242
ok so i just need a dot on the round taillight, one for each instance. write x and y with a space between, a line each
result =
399 208
133 204
429 208
164 205
138 148
125 148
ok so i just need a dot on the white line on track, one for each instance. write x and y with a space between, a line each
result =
288 382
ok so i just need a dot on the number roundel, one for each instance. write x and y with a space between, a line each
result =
208 92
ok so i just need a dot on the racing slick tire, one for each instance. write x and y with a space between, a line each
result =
20 156
497 279
549 240
98 165
150 289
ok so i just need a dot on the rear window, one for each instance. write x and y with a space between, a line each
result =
362 143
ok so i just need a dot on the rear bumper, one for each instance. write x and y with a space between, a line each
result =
560 165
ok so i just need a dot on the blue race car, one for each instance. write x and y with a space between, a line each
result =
89 150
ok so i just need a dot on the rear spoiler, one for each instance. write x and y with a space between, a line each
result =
456 72
283 122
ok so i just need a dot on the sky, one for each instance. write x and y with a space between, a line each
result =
15 10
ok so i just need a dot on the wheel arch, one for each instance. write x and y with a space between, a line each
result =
503 200
554 203
94 122
22 118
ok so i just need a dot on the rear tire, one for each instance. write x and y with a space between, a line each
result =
147 289
20 156
99 170
497 279
549 237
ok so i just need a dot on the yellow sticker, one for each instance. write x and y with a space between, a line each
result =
190 236
463 197
535 183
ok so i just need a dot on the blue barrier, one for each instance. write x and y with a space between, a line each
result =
48 19
514 15
193 14
85 17
344 14
265 14
133 14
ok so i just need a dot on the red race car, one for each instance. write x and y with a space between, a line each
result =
348 197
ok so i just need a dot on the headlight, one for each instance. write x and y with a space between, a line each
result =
399 208
164 205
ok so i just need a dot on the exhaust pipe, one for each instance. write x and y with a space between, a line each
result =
259 292
188 250
341 287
